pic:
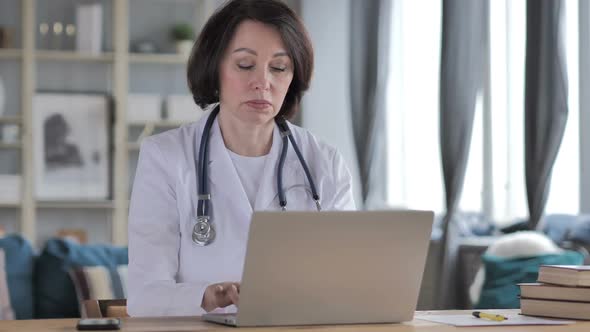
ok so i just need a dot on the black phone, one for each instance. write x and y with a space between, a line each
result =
95 324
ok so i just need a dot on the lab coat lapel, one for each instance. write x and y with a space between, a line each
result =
226 186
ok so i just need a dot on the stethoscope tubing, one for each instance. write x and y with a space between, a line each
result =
203 230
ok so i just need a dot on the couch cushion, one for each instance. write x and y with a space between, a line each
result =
99 283
54 289
20 260
6 311
500 290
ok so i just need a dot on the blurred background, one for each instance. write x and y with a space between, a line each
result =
478 110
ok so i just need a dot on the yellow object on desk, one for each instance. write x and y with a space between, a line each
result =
489 316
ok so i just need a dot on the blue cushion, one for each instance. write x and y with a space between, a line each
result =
500 290
20 260
557 226
580 232
55 292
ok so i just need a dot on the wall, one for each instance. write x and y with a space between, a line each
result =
326 106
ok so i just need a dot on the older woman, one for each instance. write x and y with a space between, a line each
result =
196 187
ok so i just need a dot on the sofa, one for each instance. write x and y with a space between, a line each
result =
54 282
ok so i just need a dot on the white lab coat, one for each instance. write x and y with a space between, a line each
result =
168 273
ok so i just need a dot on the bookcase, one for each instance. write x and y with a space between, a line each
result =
31 66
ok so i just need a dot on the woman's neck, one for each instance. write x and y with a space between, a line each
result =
245 139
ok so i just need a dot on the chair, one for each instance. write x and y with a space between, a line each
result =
104 308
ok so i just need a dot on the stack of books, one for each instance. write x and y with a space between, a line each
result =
561 291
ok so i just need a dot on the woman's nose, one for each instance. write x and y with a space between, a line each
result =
260 80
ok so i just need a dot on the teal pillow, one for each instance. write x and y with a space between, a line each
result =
500 290
20 260
54 290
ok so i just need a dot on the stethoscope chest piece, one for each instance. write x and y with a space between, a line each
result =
203 231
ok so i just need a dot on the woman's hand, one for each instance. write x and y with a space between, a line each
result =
221 295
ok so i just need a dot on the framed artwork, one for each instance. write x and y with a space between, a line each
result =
71 153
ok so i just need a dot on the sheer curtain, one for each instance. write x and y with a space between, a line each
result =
414 175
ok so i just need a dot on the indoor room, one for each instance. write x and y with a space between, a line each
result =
280 163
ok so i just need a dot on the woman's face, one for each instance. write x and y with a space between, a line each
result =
254 74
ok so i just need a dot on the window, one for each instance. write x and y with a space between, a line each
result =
496 156
415 177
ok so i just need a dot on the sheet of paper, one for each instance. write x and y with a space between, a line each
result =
469 320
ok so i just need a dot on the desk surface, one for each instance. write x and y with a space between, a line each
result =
195 324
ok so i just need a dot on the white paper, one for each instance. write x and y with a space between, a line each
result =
469 320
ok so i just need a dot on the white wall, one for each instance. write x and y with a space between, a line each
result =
326 106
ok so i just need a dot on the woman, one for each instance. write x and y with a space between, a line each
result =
253 58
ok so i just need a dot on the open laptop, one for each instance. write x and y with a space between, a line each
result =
333 267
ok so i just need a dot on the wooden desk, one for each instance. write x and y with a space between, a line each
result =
195 324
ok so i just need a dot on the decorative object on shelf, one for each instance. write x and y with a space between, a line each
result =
89 31
182 108
183 34
10 188
75 234
43 35
57 36
6 37
71 146
143 108
145 46
70 35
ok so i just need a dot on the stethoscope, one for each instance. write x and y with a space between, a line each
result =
203 231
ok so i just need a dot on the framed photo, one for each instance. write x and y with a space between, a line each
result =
71 152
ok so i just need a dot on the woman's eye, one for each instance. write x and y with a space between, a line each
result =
280 69
245 67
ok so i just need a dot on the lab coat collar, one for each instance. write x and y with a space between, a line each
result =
223 172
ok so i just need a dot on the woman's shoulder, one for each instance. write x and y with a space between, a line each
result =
313 144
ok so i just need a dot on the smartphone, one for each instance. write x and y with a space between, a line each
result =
94 324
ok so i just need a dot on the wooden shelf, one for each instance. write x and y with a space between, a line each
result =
73 56
159 124
133 146
9 205
10 146
10 120
158 58
10 53
75 204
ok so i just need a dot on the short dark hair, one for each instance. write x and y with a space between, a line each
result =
209 49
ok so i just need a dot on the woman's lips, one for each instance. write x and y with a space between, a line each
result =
258 104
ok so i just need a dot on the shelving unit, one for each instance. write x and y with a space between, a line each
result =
158 58
73 56
107 204
9 206
118 62
10 120
10 53
13 146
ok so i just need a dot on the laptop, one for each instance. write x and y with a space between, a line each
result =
333 267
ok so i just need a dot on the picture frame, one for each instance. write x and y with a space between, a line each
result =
72 152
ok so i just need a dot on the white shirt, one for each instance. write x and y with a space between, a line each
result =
250 170
168 273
